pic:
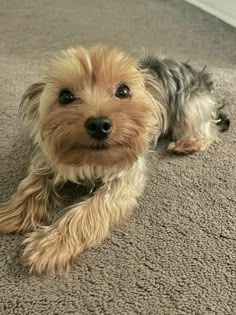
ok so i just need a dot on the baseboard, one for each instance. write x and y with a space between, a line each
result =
213 11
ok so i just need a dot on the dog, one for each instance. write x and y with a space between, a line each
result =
93 119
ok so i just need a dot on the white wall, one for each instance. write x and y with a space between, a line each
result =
223 9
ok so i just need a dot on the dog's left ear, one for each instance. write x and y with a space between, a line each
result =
29 106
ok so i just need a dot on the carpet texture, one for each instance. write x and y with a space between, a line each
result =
177 253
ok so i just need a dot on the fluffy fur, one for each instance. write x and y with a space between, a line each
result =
166 98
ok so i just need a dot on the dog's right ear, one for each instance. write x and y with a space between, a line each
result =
29 106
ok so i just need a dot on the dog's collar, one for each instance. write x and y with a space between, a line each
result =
82 190
89 189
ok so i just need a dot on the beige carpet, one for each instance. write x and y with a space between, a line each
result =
177 254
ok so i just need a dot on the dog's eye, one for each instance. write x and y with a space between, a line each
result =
66 97
122 92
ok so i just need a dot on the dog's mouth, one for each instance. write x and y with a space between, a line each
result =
99 146
99 153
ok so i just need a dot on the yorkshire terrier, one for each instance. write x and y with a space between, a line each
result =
93 119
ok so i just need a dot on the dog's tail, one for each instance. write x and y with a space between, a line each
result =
223 122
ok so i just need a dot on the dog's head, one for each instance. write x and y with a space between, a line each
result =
94 108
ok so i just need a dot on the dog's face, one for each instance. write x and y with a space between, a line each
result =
94 109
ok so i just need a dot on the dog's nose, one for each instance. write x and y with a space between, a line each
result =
98 127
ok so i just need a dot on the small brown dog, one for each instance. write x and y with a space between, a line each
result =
93 120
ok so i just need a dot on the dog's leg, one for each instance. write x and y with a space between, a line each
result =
28 206
196 127
52 249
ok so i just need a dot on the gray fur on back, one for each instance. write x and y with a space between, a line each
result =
177 81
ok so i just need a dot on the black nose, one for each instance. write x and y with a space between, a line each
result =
99 127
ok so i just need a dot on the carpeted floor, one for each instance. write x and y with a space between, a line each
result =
177 254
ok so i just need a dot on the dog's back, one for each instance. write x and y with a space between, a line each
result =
187 97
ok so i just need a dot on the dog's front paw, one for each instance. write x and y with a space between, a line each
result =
48 251
12 219
19 214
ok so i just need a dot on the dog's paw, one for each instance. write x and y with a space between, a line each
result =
47 251
21 215
186 146
11 218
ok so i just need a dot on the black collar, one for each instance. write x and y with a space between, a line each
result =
81 191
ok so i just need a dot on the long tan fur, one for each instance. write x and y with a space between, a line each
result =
53 248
